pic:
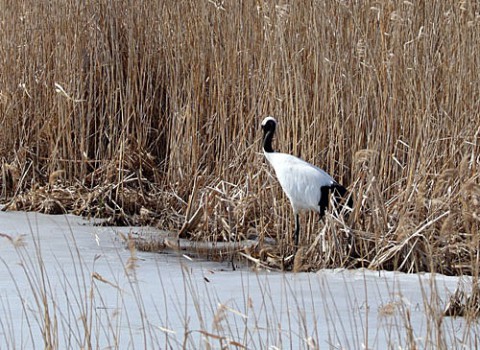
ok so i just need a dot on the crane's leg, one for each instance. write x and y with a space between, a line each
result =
297 230
296 234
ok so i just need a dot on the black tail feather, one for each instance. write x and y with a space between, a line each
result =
340 194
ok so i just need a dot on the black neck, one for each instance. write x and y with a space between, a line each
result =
267 141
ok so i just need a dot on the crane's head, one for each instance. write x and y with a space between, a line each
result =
269 124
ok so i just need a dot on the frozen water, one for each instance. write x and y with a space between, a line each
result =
71 285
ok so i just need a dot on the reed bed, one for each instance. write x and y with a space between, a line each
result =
149 112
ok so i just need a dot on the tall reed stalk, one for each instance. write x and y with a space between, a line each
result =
125 105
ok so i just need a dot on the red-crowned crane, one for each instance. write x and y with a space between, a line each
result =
306 186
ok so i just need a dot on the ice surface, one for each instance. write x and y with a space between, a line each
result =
77 276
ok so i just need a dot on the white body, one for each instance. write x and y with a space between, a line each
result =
301 181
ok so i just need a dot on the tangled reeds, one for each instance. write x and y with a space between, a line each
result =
149 113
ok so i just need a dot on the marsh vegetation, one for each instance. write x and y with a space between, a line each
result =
148 112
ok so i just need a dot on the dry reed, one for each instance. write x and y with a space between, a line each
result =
120 109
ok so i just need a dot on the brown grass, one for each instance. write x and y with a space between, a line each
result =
119 108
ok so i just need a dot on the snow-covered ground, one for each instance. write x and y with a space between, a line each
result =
72 285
